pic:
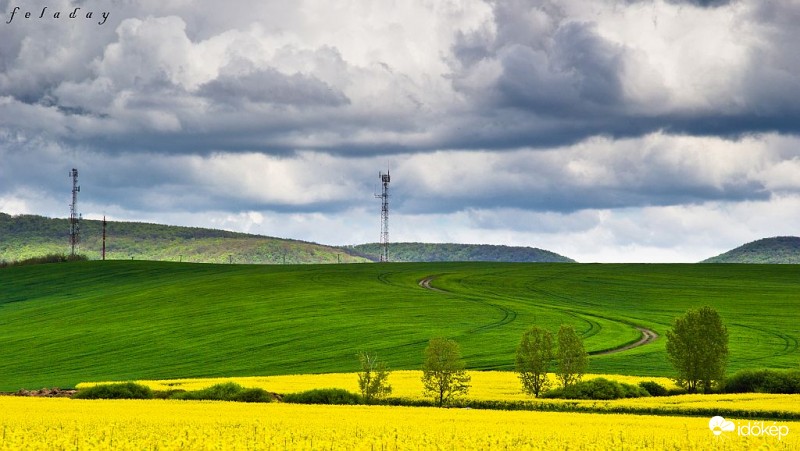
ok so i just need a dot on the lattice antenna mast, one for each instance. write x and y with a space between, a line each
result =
74 216
104 236
384 197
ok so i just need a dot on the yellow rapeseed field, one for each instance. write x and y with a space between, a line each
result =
65 424
495 385
486 385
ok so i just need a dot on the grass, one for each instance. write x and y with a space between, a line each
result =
130 320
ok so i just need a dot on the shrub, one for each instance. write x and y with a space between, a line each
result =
763 381
227 391
323 396
168 394
599 388
676 391
654 388
49 258
126 390
253 395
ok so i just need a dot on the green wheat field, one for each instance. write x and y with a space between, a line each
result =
61 324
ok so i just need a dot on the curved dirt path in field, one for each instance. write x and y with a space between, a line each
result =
426 283
648 335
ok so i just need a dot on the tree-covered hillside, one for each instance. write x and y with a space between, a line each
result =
27 236
781 249
449 252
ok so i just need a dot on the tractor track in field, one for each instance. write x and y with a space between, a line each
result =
648 335
508 314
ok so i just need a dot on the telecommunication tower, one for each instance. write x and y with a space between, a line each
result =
384 197
104 236
74 216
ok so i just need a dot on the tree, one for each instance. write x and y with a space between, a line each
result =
373 379
534 354
572 358
443 374
697 347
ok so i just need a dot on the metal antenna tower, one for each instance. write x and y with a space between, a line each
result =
74 216
384 197
104 236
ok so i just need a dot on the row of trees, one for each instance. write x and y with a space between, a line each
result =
697 346
537 351
444 374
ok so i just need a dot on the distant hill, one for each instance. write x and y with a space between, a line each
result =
27 236
781 249
431 252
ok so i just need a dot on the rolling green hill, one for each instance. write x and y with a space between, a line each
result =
449 252
27 236
117 320
777 250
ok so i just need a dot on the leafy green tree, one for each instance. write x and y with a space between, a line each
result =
572 357
373 379
443 374
697 347
534 355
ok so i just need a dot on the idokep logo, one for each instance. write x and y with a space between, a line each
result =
718 425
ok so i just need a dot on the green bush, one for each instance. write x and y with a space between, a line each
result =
253 395
676 391
323 396
228 391
599 388
763 381
49 258
654 388
168 394
126 390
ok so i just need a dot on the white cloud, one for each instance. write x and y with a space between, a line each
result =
601 130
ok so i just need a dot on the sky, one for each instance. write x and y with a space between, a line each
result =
603 130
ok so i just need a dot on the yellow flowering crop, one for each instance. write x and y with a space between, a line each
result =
486 385
42 423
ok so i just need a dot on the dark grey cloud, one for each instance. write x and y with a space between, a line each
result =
148 105
270 86
532 75
703 3
566 81
640 173
578 75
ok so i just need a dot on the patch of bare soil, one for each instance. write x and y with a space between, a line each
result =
44 393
